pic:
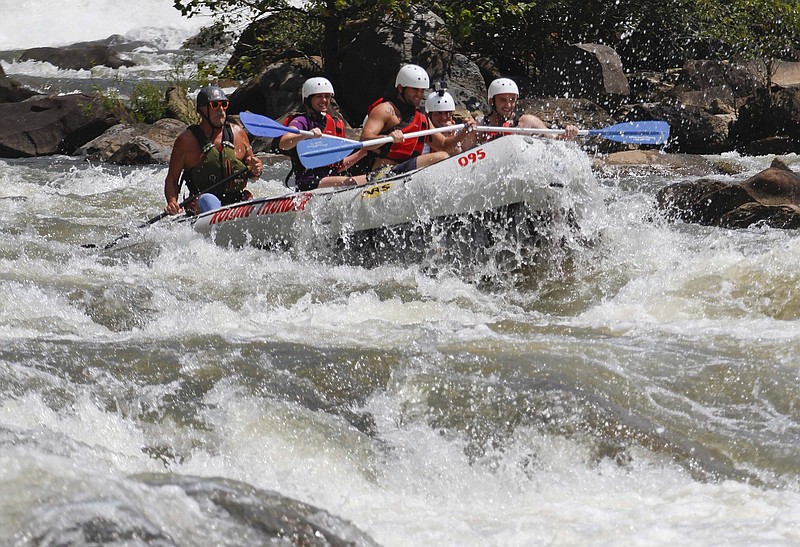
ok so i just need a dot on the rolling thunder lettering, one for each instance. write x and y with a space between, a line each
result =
281 205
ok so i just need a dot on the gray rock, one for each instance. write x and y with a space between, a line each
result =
589 71
771 197
77 57
52 125
135 144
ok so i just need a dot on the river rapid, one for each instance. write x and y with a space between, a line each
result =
637 385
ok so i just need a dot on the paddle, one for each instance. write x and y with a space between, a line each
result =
316 152
261 126
641 132
182 204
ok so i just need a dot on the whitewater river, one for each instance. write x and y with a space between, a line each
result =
639 385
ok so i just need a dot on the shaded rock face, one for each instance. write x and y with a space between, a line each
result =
250 515
135 144
771 197
52 125
590 71
370 63
769 123
12 91
275 92
76 57
693 130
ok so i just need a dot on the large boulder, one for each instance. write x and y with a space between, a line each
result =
52 125
135 144
787 74
769 123
12 91
693 130
466 84
589 71
771 197
371 61
77 57
276 90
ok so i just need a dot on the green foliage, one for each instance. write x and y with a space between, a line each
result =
107 99
148 102
518 34
752 29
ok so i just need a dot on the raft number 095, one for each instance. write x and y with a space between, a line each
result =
472 157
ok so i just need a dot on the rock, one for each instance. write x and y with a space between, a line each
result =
787 74
769 118
271 518
77 57
212 37
52 125
12 91
589 71
466 84
775 216
563 111
629 161
135 144
771 197
703 201
701 74
180 106
692 129
371 61
777 185
276 90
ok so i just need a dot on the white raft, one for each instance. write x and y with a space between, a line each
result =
545 176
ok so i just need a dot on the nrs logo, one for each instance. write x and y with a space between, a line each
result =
376 190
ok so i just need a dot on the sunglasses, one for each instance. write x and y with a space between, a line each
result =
217 104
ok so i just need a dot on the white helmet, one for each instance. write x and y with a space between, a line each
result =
502 85
312 86
412 76
440 101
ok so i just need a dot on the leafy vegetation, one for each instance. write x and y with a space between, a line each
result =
517 34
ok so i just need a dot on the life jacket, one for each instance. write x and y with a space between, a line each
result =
411 120
490 136
216 165
328 124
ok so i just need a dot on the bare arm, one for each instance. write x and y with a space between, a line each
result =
378 120
172 182
290 140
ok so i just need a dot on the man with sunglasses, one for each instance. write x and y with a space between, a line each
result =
207 153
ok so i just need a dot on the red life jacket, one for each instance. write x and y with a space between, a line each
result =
333 126
409 148
512 122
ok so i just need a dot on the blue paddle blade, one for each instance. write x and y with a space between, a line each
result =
318 152
641 132
261 126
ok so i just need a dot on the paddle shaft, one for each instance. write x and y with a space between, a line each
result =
182 204
262 126
641 132
357 145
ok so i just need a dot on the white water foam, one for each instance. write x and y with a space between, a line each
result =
39 23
